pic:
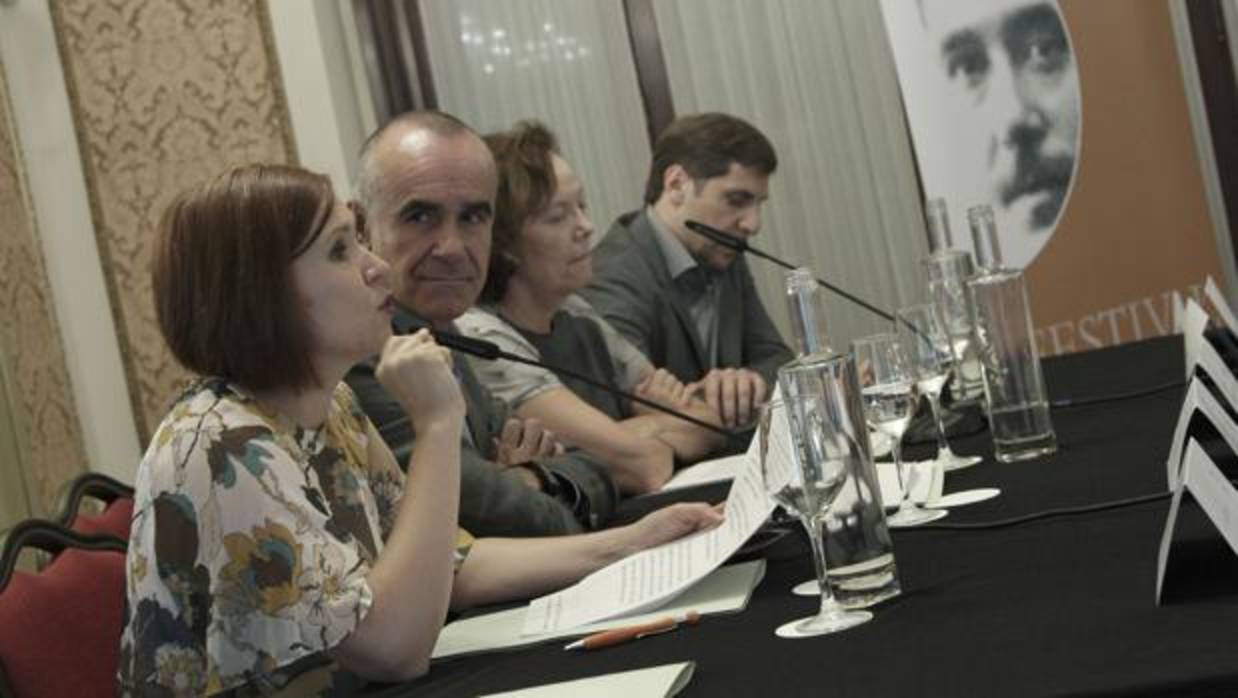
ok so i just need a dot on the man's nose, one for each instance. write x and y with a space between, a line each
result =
750 223
449 242
1012 110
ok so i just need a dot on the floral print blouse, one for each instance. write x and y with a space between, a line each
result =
249 548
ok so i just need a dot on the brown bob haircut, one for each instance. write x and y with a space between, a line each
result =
526 173
221 275
705 145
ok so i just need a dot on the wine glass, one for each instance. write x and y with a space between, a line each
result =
887 386
949 299
927 346
803 470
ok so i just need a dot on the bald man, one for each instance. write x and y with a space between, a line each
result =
426 205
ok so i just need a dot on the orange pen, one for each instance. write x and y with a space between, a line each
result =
617 636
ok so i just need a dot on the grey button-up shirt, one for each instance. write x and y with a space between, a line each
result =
698 283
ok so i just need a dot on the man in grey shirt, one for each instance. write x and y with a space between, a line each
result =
427 188
689 303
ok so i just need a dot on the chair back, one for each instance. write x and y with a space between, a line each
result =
117 499
60 627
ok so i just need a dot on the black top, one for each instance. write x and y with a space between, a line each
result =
576 343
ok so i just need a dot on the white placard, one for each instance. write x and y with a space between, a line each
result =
1198 399
1207 358
1216 496
1213 293
1194 322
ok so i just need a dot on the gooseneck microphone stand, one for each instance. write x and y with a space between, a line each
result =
490 351
740 245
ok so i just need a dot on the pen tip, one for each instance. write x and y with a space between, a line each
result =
574 645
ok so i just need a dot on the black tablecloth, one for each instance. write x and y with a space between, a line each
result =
1060 606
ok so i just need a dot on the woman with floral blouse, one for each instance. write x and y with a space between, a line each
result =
276 546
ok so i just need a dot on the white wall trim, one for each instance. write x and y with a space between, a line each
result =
330 109
66 232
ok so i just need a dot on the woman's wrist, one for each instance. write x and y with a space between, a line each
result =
439 426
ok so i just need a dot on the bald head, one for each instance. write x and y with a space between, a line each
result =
428 122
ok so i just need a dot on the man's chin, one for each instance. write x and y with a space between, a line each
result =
441 309
721 260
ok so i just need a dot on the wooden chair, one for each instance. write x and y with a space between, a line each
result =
60 627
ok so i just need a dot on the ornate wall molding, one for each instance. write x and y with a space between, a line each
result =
164 95
40 395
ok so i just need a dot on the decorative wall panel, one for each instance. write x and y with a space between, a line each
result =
165 94
39 394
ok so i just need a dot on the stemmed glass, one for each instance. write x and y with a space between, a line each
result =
887 385
949 299
803 470
927 346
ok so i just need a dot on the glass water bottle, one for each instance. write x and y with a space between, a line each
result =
1013 382
858 550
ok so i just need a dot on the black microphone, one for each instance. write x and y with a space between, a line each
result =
741 245
490 351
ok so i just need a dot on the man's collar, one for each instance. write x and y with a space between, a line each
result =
678 259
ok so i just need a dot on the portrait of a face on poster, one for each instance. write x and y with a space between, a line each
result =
1042 110
992 92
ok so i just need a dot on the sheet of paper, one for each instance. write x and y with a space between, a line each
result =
654 576
925 478
1193 326
1213 293
1198 399
1216 496
725 590
666 680
1179 312
705 472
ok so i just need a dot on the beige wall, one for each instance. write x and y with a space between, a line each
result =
40 442
118 107
164 94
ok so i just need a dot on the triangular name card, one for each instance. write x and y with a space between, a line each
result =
1218 499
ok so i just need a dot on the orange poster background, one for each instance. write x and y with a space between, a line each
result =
1136 226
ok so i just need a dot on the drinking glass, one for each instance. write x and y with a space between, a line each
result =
803 470
927 346
887 386
948 273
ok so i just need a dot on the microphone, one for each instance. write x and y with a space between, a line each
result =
490 351
740 245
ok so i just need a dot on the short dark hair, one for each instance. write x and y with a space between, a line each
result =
523 157
221 275
705 145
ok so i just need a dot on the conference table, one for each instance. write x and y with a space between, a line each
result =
1056 605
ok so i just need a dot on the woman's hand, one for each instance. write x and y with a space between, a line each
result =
671 523
662 387
523 440
417 371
